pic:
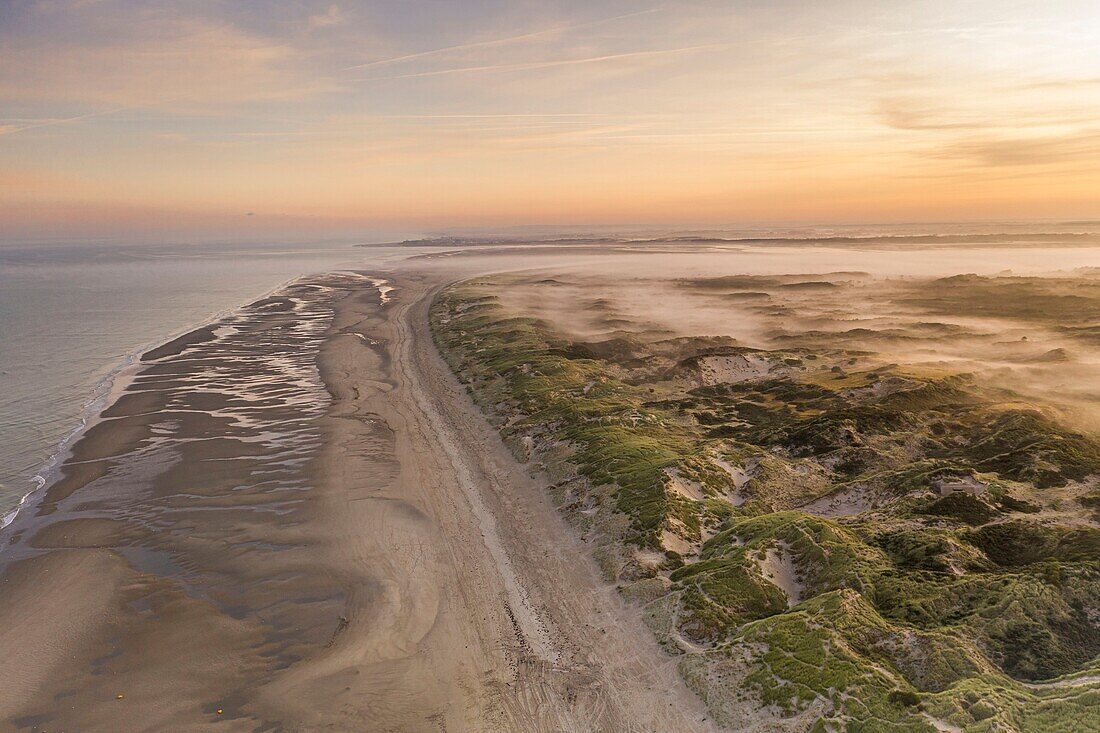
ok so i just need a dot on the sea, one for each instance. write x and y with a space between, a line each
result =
74 316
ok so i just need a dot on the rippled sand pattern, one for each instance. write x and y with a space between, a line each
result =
198 477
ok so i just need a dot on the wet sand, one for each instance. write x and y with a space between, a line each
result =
297 520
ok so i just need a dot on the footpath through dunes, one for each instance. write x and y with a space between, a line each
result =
297 520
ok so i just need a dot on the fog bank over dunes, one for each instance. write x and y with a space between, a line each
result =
1033 334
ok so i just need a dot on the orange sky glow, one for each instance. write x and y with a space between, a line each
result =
255 118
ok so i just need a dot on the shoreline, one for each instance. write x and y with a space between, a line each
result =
106 391
99 545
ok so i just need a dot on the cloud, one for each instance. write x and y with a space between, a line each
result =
158 62
331 17
907 114
1072 148
915 114
1070 84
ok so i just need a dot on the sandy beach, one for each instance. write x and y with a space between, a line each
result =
297 520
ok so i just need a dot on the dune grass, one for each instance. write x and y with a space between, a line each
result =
919 606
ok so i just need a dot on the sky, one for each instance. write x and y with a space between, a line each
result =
228 119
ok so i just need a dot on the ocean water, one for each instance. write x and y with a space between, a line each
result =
71 317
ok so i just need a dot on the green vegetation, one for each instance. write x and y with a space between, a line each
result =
872 546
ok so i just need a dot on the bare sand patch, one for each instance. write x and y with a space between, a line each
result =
684 487
779 569
732 368
740 476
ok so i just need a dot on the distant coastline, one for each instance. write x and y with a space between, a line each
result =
1001 239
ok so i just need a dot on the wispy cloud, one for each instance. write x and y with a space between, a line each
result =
923 115
331 17
496 42
1071 84
1034 151
159 60
913 114
535 65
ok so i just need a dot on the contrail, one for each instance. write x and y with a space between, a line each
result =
498 41
78 118
543 64
61 121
